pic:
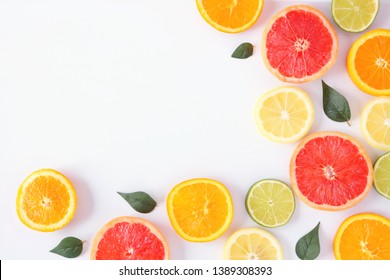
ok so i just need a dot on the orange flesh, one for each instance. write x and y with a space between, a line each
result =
199 211
127 241
298 44
330 170
46 200
231 13
372 62
365 239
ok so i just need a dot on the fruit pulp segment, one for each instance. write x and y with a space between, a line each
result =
46 200
372 62
271 203
253 246
378 122
366 239
200 209
284 114
126 241
330 170
299 44
231 13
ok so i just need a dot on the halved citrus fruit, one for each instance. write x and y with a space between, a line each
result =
200 210
129 238
252 244
364 236
382 175
231 16
330 171
368 62
284 114
46 200
354 15
375 122
299 44
270 203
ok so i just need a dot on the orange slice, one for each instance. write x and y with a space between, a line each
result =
368 62
363 236
231 16
200 210
129 238
46 200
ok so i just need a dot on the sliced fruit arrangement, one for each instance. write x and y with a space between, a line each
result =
46 200
375 123
270 203
200 210
230 16
299 44
252 244
368 62
129 238
354 15
330 171
382 175
364 236
284 114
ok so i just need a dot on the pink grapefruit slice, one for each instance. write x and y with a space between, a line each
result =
299 44
129 238
330 171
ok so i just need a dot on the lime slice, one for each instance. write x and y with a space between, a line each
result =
382 175
354 15
270 203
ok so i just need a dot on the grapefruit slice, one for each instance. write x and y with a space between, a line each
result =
129 238
299 44
330 171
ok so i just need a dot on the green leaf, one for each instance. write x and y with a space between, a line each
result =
69 247
335 105
140 201
244 50
308 246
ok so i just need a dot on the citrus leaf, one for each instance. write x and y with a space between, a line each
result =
308 246
140 201
69 247
243 51
335 105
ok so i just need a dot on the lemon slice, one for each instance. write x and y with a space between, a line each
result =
354 15
382 175
375 123
284 114
270 203
252 244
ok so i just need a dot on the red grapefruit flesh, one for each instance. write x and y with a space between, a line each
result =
330 171
299 44
129 238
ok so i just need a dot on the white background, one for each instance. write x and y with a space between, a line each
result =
126 95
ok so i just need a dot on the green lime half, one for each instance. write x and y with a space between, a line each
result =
270 203
382 175
354 15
